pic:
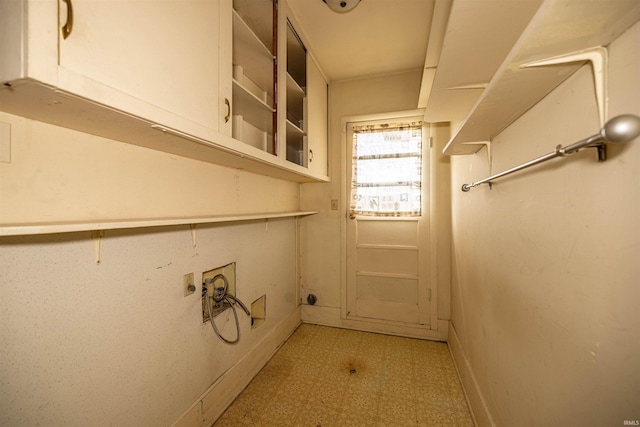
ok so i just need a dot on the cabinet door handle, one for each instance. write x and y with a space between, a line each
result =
68 26
311 155
228 104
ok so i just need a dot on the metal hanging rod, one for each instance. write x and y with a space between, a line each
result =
618 130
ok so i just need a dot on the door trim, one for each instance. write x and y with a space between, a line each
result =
432 288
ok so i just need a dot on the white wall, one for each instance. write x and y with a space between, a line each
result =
117 343
56 174
545 281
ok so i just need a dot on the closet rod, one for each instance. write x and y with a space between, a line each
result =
619 129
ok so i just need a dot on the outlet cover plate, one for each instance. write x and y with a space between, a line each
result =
188 284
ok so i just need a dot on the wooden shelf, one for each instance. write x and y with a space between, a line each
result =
558 28
296 150
294 87
253 109
294 130
249 52
70 227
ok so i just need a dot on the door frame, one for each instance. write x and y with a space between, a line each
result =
380 324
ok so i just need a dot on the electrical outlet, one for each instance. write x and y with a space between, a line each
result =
189 284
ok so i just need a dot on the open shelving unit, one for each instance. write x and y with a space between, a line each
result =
77 226
560 35
97 228
253 75
235 121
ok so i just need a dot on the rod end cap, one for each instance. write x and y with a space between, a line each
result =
621 129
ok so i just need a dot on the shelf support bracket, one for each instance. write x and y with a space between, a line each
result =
487 144
597 56
97 236
193 233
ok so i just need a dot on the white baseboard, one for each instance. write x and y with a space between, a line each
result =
217 398
479 411
319 315
331 316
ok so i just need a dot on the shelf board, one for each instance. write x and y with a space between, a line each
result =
296 144
295 98
558 28
37 101
294 130
486 30
251 108
294 87
250 53
71 226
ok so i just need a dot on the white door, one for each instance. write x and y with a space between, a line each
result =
387 224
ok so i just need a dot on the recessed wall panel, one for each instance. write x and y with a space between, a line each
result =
391 261
392 289
399 233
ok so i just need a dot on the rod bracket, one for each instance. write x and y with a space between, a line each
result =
620 129
602 152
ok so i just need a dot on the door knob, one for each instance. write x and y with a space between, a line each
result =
352 216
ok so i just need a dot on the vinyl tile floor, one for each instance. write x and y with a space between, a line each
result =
325 376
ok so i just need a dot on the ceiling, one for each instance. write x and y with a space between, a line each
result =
377 37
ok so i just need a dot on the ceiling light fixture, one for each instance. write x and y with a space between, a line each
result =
341 6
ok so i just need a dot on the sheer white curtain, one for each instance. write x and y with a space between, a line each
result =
387 169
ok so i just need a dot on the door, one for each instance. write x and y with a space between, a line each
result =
387 224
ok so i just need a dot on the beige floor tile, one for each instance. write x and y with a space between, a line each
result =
336 377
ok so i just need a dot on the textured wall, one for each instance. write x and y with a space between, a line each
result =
117 343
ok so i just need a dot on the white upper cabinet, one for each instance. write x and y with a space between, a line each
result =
156 60
188 77
162 53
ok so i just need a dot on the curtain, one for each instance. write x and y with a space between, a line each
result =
387 169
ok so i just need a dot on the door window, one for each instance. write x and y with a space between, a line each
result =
387 169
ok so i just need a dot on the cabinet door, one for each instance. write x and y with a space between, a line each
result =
316 118
164 53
